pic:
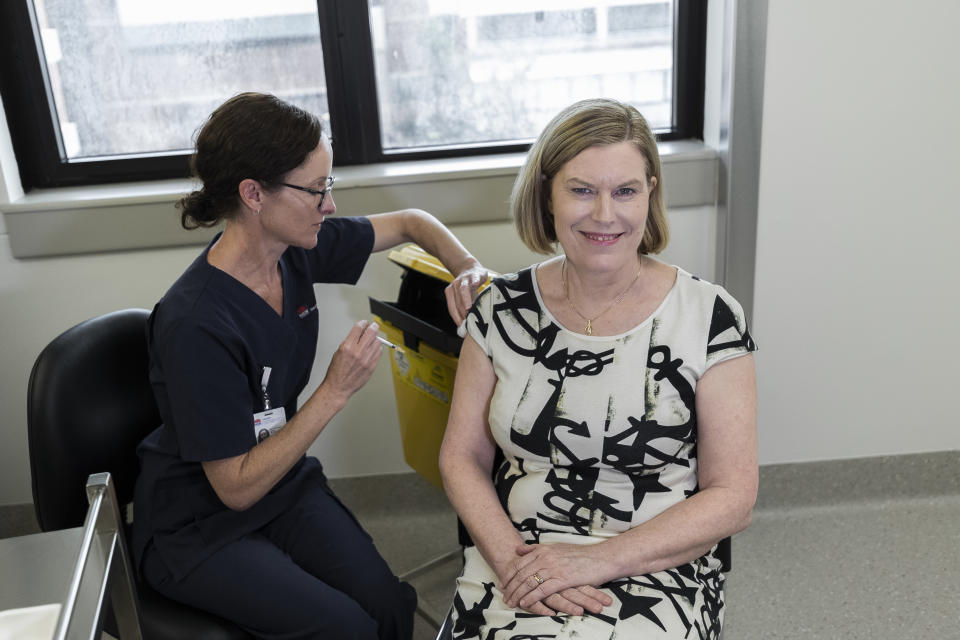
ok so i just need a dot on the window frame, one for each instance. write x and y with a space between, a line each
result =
352 100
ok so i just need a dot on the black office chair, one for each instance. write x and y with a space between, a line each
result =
89 403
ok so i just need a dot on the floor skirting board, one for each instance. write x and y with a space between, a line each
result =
786 486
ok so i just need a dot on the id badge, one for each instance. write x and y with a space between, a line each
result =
266 423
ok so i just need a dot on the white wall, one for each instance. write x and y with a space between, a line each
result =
856 299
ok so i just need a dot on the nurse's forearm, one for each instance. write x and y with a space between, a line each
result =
432 236
241 481
437 240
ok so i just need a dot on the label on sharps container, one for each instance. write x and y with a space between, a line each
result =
401 364
426 376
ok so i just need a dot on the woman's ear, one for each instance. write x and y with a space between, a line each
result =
653 183
251 194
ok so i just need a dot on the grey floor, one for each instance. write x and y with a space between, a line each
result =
866 548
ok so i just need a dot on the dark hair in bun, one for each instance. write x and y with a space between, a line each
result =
251 135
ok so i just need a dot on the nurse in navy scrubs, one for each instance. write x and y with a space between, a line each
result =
231 516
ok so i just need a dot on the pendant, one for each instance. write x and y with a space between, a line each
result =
589 329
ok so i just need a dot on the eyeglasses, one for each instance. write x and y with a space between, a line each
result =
314 192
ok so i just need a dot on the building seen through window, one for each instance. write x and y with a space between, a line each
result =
451 72
131 77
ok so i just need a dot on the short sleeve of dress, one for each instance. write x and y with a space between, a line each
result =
728 336
343 247
478 318
210 402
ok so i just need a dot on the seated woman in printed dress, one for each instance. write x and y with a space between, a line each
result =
621 391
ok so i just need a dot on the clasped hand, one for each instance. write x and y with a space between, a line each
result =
548 578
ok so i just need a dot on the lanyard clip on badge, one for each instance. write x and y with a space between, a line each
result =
264 380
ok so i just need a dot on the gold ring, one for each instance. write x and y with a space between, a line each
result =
536 576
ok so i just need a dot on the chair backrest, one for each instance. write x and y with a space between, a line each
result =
89 403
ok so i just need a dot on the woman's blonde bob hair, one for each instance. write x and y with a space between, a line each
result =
583 124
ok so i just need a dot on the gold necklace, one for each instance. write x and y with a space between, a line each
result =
616 301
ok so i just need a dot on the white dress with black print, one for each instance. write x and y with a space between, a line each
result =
599 435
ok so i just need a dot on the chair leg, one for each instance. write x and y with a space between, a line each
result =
446 629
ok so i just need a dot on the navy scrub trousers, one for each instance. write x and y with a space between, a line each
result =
311 573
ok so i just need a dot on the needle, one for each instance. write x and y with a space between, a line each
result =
388 343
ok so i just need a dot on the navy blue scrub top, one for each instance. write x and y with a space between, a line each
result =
210 338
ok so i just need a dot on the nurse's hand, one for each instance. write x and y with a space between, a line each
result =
463 291
354 360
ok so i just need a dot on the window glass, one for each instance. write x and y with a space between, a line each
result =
132 77
454 73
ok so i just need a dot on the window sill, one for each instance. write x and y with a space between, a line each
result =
134 216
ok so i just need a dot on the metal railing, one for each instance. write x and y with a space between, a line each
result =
103 569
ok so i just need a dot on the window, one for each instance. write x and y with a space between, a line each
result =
112 90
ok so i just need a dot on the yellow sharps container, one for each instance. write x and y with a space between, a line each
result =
424 369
